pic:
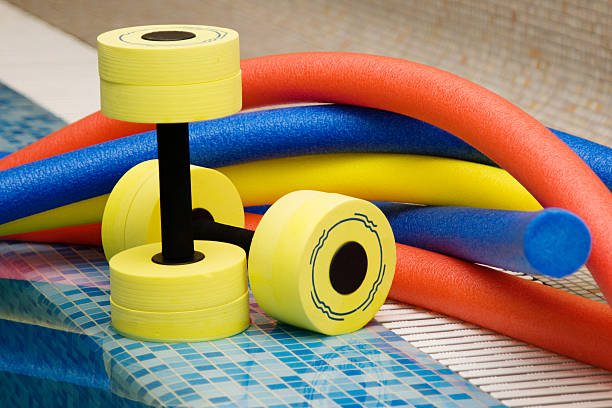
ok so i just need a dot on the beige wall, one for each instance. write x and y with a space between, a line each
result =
552 58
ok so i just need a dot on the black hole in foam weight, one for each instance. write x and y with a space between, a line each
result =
168 36
348 268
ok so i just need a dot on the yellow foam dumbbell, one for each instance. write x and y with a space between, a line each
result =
177 290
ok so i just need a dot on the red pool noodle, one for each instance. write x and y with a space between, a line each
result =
549 318
541 315
89 234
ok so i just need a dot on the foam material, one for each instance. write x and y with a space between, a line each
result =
538 314
92 129
207 54
542 163
132 213
94 170
205 300
169 80
598 157
428 180
424 138
89 234
551 242
292 253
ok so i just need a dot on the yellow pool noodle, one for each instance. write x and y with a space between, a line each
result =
427 180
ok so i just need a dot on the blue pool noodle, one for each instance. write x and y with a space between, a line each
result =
94 170
552 242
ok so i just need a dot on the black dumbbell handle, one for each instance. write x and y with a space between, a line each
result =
205 228
175 195
347 269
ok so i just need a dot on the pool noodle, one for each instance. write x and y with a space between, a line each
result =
553 239
93 171
424 138
552 242
538 314
541 162
92 129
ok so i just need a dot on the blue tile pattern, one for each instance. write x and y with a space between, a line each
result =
22 121
269 364
66 290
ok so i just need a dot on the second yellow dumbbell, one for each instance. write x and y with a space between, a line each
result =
320 261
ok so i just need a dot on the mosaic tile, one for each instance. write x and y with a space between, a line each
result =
22 121
270 363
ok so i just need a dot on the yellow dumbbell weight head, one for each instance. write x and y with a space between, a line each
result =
322 261
132 217
204 300
169 73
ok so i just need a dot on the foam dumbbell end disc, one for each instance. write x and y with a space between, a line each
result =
197 301
169 73
322 261
190 326
132 215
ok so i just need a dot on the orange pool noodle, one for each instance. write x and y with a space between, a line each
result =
81 235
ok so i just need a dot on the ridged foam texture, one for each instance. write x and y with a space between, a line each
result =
183 73
125 57
204 300
292 253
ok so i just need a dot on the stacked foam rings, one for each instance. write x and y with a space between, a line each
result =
320 261
169 73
